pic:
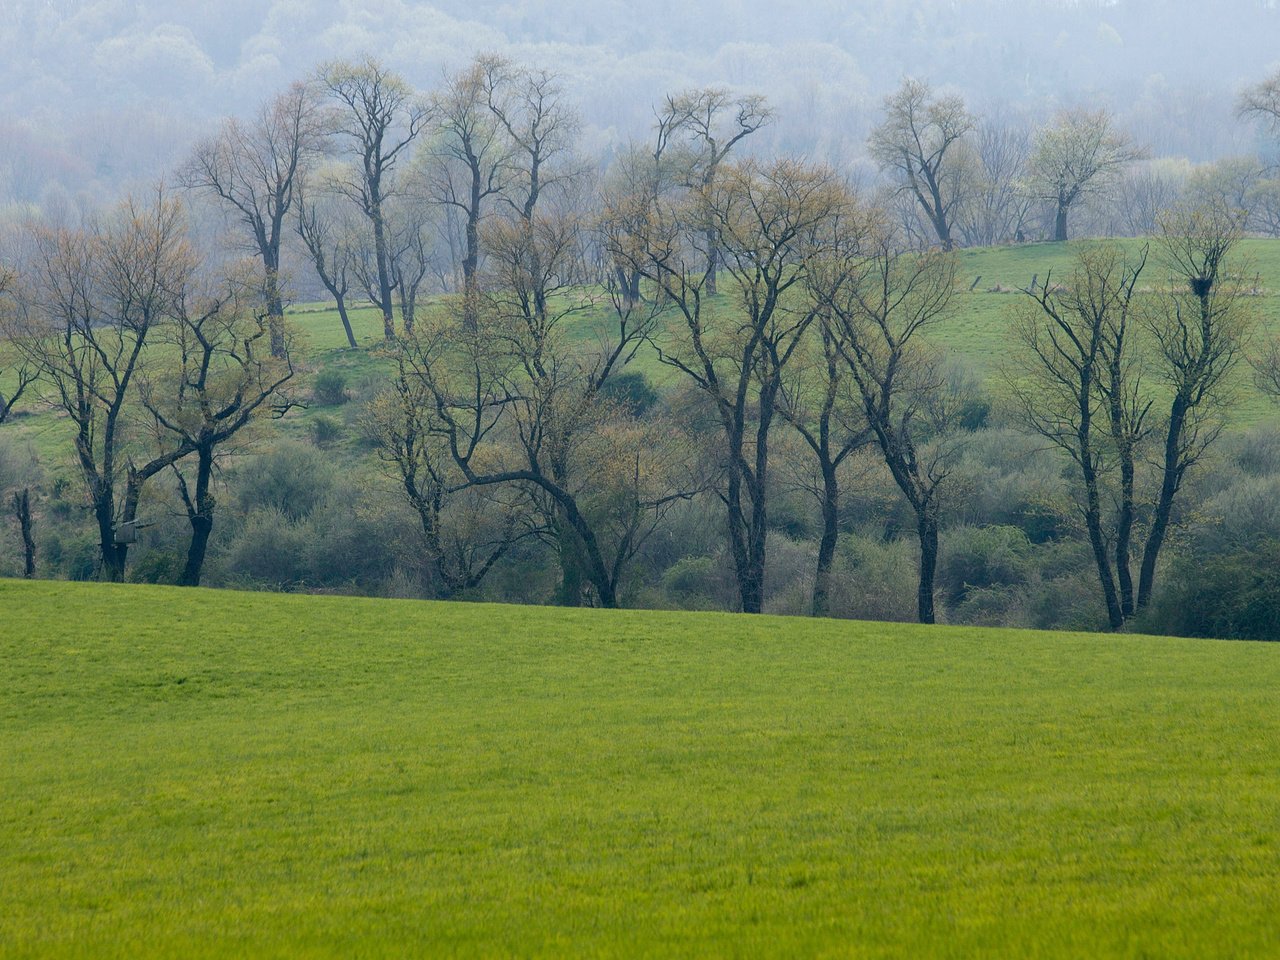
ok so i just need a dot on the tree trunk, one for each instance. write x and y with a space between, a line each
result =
384 274
1124 531
200 514
569 593
22 511
827 546
1060 224
113 555
1164 505
346 322
750 582
1093 522
713 261
927 530
275 312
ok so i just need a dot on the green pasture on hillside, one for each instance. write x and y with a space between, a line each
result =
198 773
976 335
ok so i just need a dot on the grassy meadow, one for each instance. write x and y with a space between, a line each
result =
197 773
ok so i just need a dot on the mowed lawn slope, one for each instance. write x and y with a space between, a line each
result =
200 773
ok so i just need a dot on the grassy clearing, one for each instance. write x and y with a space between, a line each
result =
202 773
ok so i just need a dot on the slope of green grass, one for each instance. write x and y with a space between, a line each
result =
976 335
197 773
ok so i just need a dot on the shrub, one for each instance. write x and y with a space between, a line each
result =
329 388
982 558
872 580
326 431
1231 596
632 389
292 478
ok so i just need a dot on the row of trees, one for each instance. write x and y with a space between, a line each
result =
777 299
156 368
961 178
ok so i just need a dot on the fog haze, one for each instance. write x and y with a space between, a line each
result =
98 93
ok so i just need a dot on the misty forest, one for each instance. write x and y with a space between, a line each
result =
885 327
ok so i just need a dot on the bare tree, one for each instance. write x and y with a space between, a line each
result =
1200 329
767 220
1262 102
412 253
379 117
256 169
540 129
471 161
716 122
98 296
215 379
1077 385
817 401
331 242
1080 155
996 206
520 405
465 531
918 142
1084 386
880 299
1144 195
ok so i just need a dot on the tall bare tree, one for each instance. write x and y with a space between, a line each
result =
919 142
1076 383
1262 102
817 401
331 242
1080 155
471 161
767 220
996 206
881 300
540 129
98 297
214 379
1200 330
255 168
716 122
379 117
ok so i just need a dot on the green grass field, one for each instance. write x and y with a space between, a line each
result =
199 773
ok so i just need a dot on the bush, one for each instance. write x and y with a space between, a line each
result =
329 388
1233 596
270 549
982 558
326 431
632 389
292 479
872 580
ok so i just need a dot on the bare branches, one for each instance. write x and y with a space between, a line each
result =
918 140
1262 102
257 169
98 297
1080 155
378 117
